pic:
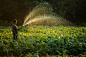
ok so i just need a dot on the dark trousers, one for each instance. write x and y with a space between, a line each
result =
15 37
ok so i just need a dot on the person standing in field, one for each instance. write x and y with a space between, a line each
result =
15 29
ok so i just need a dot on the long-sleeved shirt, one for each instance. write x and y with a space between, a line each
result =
15 29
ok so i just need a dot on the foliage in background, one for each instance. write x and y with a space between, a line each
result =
72 10
16 9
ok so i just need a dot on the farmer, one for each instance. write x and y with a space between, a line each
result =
15 29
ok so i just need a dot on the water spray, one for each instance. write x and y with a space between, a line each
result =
43 14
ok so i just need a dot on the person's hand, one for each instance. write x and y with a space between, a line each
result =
16 34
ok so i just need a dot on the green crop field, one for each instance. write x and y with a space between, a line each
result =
36 41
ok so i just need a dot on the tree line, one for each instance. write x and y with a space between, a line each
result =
72 10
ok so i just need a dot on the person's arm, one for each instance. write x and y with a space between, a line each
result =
13 30
20 28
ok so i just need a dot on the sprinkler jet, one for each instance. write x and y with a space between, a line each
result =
26 24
